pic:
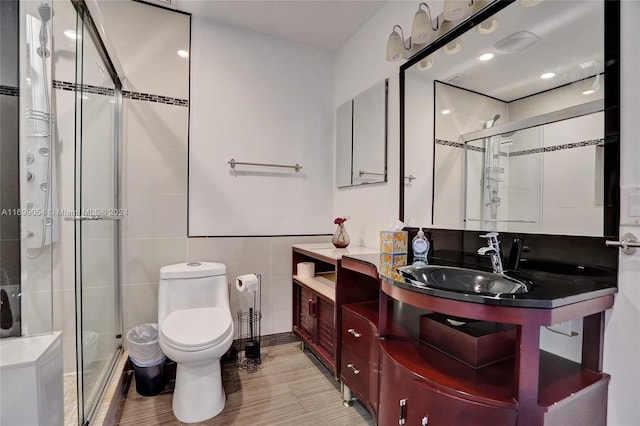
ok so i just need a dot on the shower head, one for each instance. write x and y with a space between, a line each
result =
45 12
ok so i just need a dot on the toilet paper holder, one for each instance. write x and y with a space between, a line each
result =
249 325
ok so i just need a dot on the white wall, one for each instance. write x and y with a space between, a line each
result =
622 340
360 64
259 99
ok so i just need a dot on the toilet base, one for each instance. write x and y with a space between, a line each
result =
198 394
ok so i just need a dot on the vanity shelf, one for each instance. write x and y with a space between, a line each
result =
317 300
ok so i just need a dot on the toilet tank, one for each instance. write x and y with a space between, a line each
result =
192 285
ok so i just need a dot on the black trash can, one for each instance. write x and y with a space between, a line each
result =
149 380
147 359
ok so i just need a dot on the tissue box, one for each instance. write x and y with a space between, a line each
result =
389 263
394 242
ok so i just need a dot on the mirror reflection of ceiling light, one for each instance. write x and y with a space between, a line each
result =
488 26
70 34
486 57
452 48
548 75
454 10
589 92
445 112
530 3
426 63
183 53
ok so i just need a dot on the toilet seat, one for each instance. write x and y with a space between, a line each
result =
196 329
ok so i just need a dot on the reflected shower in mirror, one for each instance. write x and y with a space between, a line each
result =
513 123
361 138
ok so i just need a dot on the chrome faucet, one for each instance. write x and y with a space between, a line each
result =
492 250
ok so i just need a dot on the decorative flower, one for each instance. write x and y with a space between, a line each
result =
340 220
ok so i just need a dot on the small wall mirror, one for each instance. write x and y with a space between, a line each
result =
361 138
511 114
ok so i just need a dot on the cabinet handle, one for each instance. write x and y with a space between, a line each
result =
352 367
310 302
355 333
403 409
425 420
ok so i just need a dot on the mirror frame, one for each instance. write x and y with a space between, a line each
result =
611 105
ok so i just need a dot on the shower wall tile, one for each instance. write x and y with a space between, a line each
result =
144 257
155 126
156 170
64 273
64 320
139 305
154 215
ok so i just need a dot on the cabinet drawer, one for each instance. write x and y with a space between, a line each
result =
357 333
355 373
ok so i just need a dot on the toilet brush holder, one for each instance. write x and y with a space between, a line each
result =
248 343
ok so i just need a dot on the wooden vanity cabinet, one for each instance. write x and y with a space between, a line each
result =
317 300
359 360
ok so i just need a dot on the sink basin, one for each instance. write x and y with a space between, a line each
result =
461 280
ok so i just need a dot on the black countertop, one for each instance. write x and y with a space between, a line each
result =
551 284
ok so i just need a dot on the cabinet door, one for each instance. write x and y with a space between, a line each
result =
396 393
437 408
305 321
326 330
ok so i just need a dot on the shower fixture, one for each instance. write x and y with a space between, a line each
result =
44 10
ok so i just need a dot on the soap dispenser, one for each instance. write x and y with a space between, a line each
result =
420 246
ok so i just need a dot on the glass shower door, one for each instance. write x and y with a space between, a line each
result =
96 218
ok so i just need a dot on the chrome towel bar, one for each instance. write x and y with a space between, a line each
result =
628 243
233 163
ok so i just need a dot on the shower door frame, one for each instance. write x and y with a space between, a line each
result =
85 22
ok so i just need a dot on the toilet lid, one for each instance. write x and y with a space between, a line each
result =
197 327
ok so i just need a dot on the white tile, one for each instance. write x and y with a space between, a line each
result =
143 258
64 265
281 322
281 294
156 170
140 305
155 125
98 309
98 263
152 215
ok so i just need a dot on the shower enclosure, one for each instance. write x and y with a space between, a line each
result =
60 185
96 214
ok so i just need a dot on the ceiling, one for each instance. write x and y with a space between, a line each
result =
322 24
571 44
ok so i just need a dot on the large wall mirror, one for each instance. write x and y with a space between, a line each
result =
361 138
511 118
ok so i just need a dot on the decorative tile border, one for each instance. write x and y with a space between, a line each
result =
155 98
558 147
9 90
86 88
542 150
64 85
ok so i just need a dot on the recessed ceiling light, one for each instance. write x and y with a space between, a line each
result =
445 111
487 27
486 56
183 53
452 48
548 75
70 34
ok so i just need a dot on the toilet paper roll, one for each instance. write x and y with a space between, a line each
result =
306 269
247 282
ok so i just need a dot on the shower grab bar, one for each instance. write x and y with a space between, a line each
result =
233 163
362 173
93 217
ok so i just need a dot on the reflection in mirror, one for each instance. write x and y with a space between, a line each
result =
361 138
513 149
344 136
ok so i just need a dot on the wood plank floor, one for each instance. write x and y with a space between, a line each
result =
290 388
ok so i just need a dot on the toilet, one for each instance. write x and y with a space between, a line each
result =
195 330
